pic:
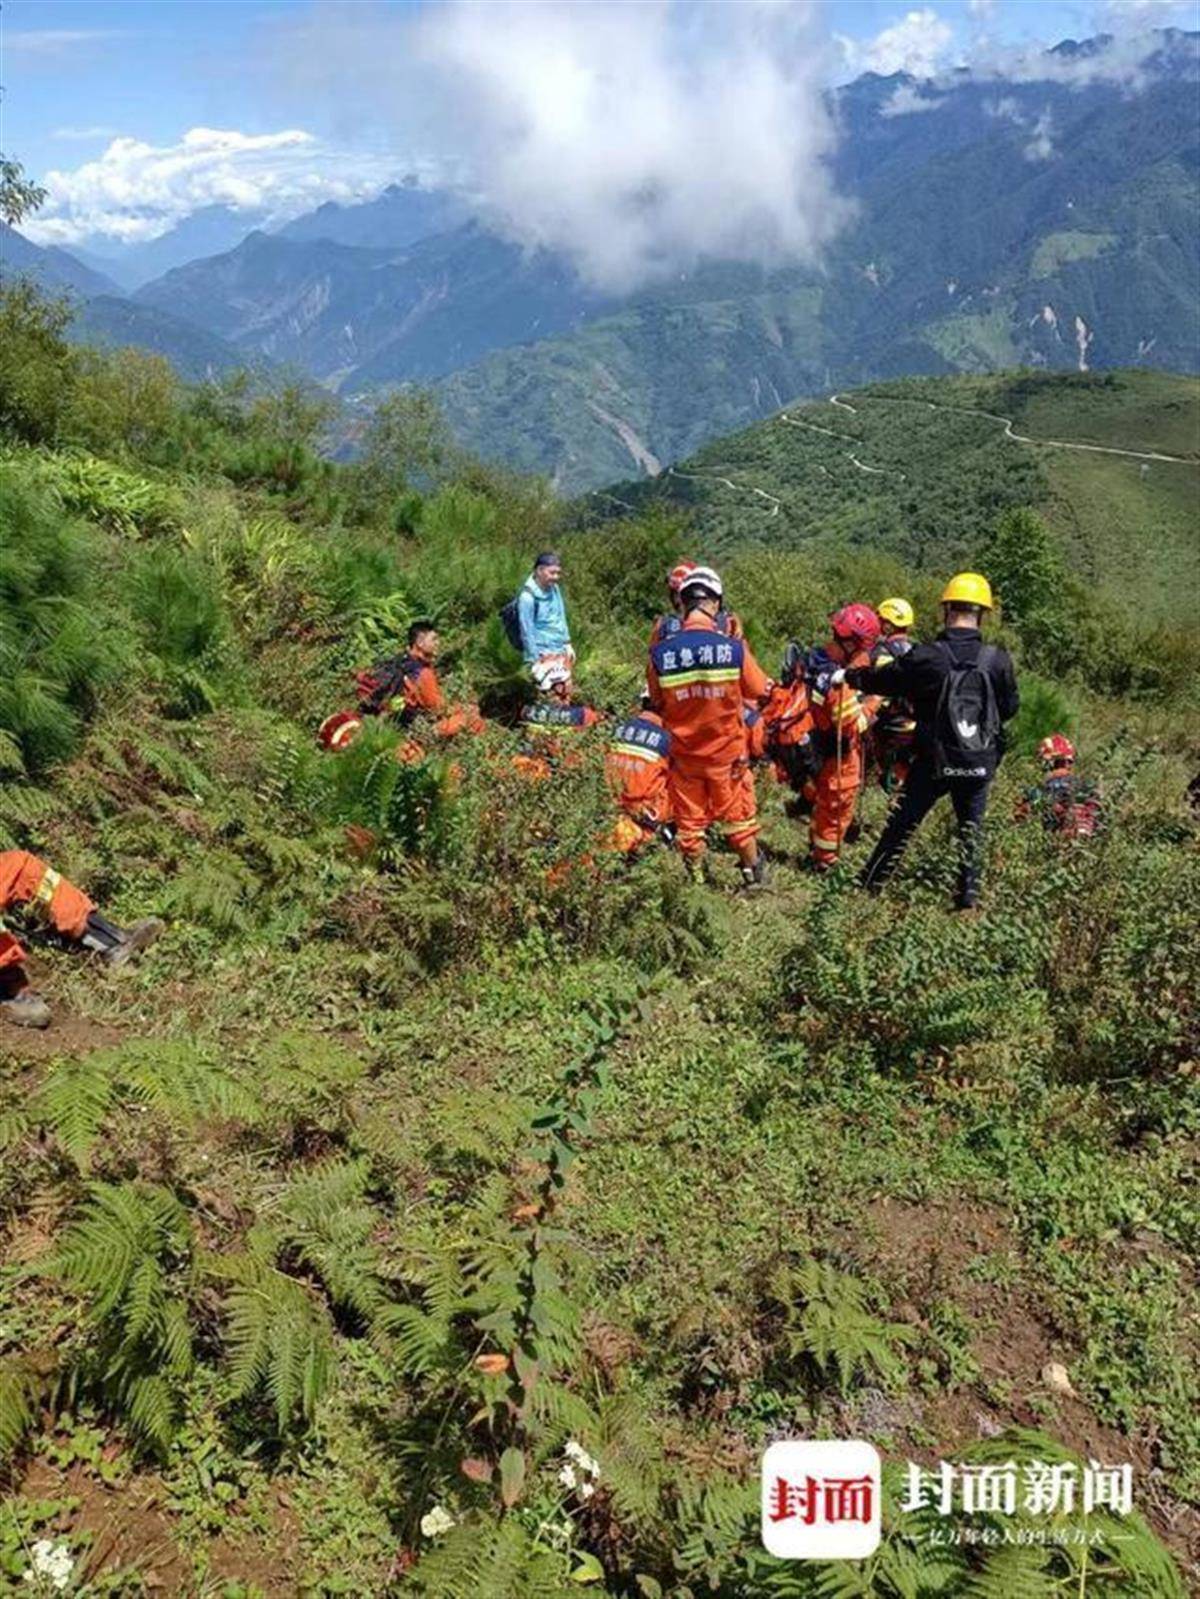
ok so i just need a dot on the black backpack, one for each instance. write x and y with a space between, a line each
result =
510 621
966 729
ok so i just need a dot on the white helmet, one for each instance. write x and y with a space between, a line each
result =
552 671
704 577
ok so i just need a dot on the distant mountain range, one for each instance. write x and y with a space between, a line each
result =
998 222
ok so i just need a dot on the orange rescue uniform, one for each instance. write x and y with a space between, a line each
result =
841 717
27 880
698 679
637 767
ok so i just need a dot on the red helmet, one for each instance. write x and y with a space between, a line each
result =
678 575
336 731
1056 750
856 622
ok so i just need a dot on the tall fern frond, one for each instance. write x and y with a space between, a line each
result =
324 1217
130 1255
73 1102
19 1391
278 1337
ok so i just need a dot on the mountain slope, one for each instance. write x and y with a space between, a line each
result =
400 216
921 468
56 270
366 317
103 316
972 250
205 232
194 353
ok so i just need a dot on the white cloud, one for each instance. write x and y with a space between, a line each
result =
918 44
82 134
1122 61
906 98
634 138
1145 13
1041 141
136 191
1040 144
981 9
54 41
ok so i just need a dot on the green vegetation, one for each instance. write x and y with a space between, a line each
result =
444 1208
1056 249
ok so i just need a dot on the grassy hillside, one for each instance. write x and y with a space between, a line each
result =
911 467
431 1140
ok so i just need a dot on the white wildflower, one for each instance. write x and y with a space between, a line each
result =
52 1562
576 1452
567 1476
436 1521
586 1490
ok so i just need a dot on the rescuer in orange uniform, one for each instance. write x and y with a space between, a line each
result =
672 621
697 681
841 717
405 687
26 880
638 769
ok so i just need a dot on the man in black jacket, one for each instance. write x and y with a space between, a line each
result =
921 677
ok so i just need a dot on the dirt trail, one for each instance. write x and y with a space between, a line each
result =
740 488
846 438
1009 432
67 1034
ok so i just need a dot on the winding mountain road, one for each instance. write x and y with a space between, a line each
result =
738 488
846 438
1010 431
879 471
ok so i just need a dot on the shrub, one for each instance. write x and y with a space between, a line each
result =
61 643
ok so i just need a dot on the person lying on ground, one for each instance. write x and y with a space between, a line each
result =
46 895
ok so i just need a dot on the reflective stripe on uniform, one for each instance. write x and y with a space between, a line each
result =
638 751
701 674
45 889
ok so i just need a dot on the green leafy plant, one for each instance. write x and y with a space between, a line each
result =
829 1324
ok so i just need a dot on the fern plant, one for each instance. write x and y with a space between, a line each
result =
278 1335
174 1077
130 1256
828 1323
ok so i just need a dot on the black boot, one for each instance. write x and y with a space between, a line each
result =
116 945
756 876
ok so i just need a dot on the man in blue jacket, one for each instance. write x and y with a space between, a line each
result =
542 616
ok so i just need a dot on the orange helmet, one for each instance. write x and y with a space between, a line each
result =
1056 750
678 575
857 623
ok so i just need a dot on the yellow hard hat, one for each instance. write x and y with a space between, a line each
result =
896 611
968 588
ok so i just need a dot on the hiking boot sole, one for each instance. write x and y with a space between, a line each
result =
26 1013
140 936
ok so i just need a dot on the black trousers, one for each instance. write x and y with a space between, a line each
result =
968 795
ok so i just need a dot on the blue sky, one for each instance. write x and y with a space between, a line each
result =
317 101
